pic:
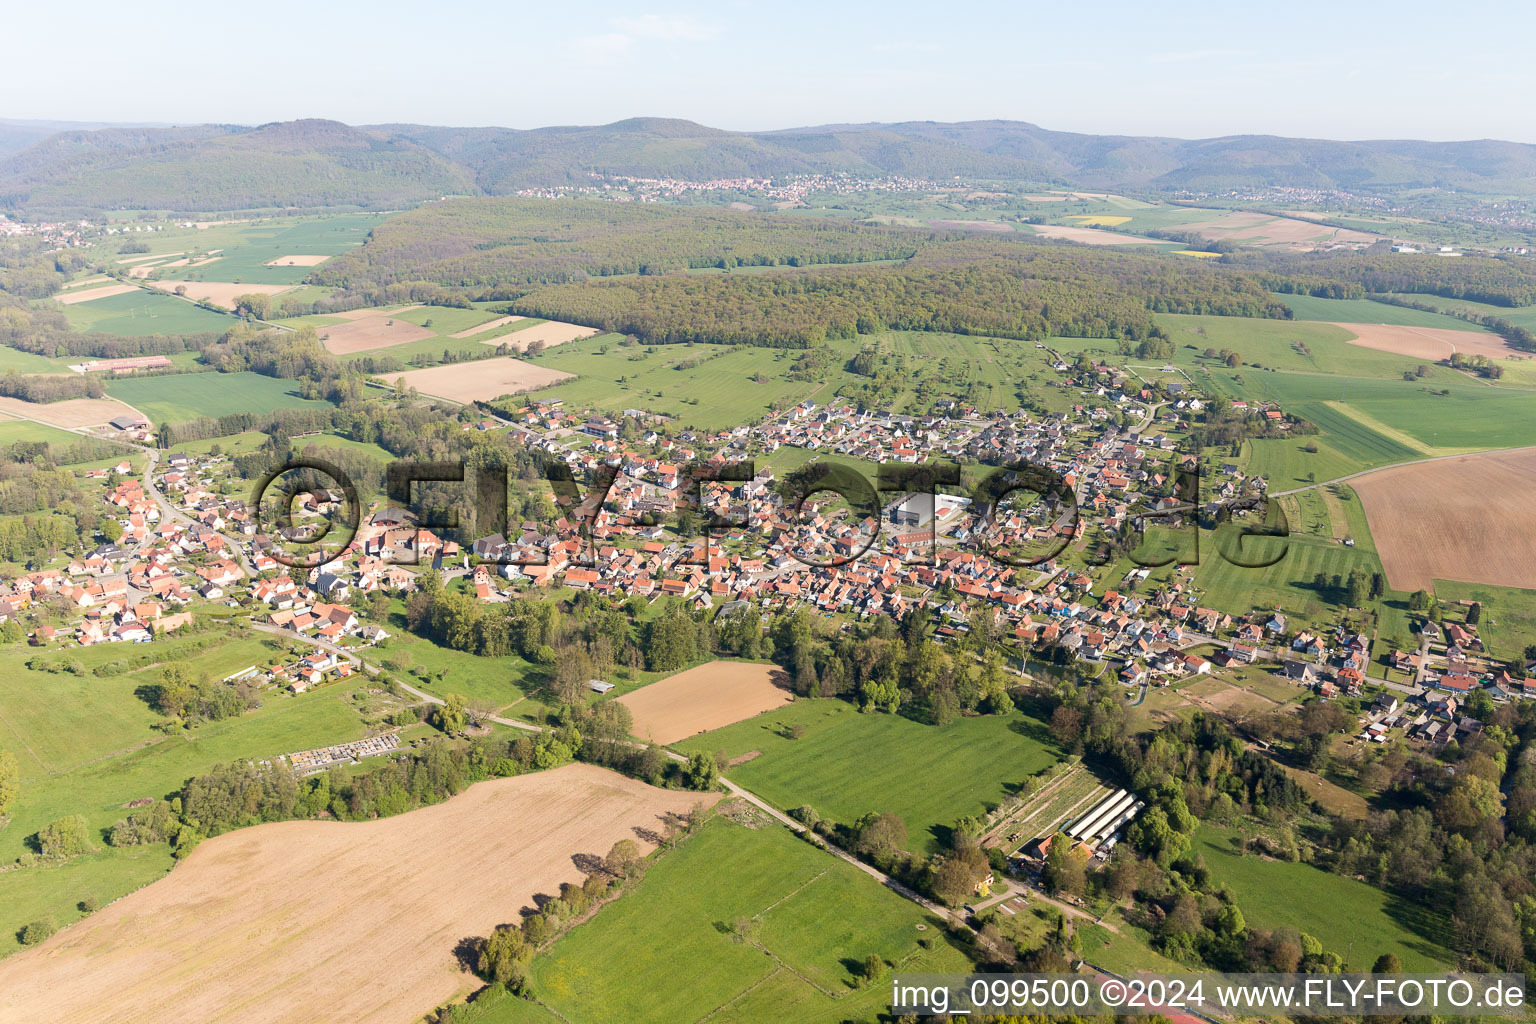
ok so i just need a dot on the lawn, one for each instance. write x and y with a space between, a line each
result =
664 952
848 763
186 396
144 312
1355 920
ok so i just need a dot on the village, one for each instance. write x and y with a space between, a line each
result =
189 541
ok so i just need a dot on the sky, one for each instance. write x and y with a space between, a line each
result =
1343 70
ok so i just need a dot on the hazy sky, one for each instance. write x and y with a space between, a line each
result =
1340 69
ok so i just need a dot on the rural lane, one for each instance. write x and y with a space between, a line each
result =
360 664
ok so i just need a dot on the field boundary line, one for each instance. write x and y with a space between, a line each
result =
759 983
792 892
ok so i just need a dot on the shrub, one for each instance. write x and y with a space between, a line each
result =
36 932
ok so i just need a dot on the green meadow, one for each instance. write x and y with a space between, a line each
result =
815 917
144 312
1366 311
1355 920
178 397
86 745
848 763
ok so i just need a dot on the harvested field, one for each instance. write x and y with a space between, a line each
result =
319 921
705 698
480 380
1092 236
1094 220
369 332
87 294
87 281
489 325
220 293
360 314
1470 518
551 333
1432 343
1263 228
297 261
75 412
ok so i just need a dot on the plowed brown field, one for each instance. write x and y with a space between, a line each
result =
705 698
319 921
1471 518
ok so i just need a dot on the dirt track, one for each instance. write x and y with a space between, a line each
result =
316 921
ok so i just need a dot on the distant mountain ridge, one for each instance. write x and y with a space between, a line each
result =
317 162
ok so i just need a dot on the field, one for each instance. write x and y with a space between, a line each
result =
1350 918
72 412
1432 343
848 764
1366 311
1265 229
1090 236
88 294
12 431
703 698
86 746
297 261
140 312
1471 519
253 251
186 396
219 293
550 332
318 920
815 916
480 380
1367 412
489 325
363 334
1059 801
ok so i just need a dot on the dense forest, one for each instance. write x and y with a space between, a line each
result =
1002 289
1494 280
498 248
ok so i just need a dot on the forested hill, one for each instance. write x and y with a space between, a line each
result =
503 159
296 163
319 163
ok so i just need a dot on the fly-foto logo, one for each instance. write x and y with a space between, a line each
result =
1019 514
